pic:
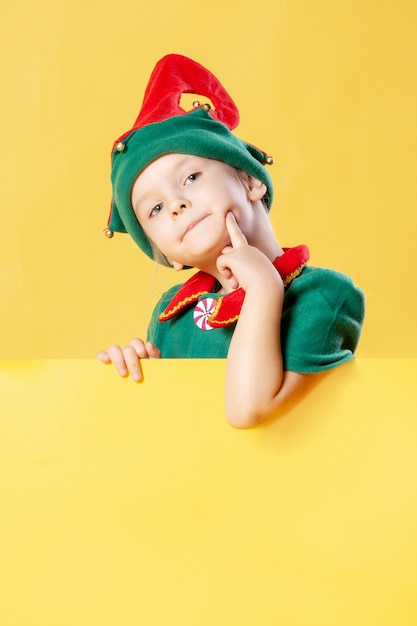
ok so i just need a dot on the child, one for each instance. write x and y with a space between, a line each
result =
191 194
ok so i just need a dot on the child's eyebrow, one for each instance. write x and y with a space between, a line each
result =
194 162
141 198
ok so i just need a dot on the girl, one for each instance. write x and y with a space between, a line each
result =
191 194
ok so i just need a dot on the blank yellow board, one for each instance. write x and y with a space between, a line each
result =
126 504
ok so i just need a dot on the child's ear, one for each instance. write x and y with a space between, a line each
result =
256 189
177 266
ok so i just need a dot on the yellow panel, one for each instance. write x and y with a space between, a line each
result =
137 504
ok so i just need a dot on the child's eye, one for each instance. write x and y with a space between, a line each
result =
156 209
192 178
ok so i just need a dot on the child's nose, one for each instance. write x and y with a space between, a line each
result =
178 205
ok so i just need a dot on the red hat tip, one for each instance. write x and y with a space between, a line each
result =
175 75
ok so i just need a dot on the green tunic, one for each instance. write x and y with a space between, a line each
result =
321 323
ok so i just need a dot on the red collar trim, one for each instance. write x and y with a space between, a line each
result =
227 310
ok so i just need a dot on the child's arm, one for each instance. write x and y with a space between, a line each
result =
127 360
255 381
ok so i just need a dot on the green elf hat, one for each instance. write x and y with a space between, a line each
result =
164 127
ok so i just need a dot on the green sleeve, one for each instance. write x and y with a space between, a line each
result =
321 322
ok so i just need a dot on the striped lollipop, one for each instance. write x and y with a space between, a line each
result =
202 312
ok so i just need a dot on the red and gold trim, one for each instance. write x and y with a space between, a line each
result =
227 310
191 290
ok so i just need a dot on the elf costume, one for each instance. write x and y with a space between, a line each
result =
322 311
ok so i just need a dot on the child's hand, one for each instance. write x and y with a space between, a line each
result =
127 360
244 265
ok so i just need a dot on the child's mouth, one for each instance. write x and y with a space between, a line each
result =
193 224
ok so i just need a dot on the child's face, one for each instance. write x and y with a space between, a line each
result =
181 202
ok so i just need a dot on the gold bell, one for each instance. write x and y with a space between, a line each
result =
196 104
207 106
108 233
269 160
120 146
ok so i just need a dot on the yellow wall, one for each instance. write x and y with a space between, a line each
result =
115 515
328 88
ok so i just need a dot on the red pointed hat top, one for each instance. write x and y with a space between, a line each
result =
175 75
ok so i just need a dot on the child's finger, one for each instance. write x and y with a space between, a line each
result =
132 363
103 357
116 356
139 347
237 238
153 351
224 269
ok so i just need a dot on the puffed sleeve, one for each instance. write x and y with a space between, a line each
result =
321 322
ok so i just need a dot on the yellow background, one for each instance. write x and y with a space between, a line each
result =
113 514
126 504
327 87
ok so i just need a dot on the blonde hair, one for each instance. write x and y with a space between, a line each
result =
157 255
